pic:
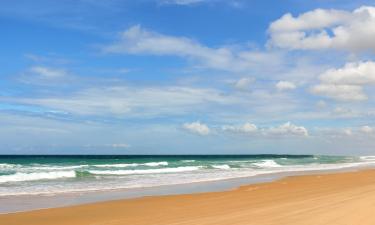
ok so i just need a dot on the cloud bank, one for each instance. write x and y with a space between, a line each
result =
326 29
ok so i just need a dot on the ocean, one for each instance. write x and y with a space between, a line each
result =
50 175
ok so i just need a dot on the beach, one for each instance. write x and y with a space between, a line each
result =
344 198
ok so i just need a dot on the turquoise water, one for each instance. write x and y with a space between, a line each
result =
33 175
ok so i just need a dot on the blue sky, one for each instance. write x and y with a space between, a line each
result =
187 77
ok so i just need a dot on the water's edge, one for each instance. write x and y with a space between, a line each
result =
13 204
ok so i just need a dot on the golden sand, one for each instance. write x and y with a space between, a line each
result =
331 199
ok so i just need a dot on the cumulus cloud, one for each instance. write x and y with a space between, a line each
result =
326 29
346 84
196 128
284 130
285 85
245 128
137 40
287 129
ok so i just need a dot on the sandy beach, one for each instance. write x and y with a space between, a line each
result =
335 199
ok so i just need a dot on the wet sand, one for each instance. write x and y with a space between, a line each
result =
330 199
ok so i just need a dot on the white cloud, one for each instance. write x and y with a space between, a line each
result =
287 129
137 40
243 83
344 112
247 128
197 128
366 129
360 73
361 133
43 75
47 72
284 130
348 132
346 83
340 92
131 101
119 145
325 29
285 85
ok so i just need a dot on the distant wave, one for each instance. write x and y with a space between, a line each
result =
151 164
150 171
225 167
34 176
56 167
268 163
368 158
7 166
17 177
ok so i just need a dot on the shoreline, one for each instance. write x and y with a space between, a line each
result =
27 203
337 186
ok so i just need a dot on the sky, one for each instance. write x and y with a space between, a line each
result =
187 77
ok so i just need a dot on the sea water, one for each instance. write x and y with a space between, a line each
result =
52 175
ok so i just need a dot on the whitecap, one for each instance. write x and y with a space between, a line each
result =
224 167
268 163
18 177
150 171
123 165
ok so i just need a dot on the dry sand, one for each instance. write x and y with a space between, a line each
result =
331 199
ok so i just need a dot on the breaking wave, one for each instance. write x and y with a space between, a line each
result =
122 165
267 164
152 171
224 167
17 177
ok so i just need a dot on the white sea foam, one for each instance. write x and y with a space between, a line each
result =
150 171
168 176
7 166
224 167
268 163
156 164
123 165
56 167
18 177
368 158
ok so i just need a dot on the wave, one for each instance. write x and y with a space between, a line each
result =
151 171
268 163
367 158
156 164
7 166
188 160
18 177
122 165
224 167
57 167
